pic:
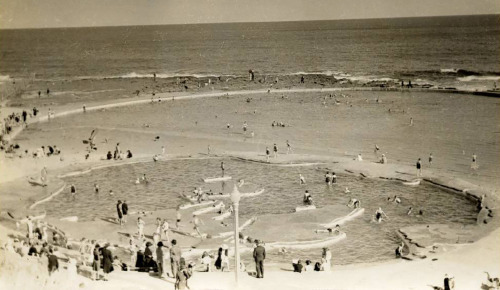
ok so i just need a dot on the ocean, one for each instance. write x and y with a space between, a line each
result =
459 51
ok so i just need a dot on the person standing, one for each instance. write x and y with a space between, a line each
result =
159 259
107 261
288 147
419 167
259 255
197 222
302 179
140 227
175 257
181 280
124 211
119 212
430 159
275 149
53 262
327 255
448 283
268 153
164 228
222 168
96 263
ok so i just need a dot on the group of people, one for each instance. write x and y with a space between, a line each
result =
122 211
275 151
309 266
117 154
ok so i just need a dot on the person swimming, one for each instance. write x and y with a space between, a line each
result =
302 179
379 214
328 178
410 209
330 231
353 203
307 198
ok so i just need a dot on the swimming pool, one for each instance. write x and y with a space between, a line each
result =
365 242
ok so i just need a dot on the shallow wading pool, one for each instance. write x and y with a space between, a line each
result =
365 242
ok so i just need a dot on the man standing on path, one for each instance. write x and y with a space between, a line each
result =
259 255
175 258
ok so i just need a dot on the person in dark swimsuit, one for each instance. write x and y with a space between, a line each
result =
119 211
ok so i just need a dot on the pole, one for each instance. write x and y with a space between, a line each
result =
236 242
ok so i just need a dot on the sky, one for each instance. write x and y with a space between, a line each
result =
78 13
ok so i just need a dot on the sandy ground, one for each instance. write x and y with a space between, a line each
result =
473 129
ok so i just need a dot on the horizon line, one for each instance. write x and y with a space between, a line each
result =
250 22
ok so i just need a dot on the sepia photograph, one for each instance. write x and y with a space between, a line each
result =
250 144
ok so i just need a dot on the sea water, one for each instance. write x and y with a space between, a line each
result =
459 51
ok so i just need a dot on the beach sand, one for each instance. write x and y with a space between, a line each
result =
450 126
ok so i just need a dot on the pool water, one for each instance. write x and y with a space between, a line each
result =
365 242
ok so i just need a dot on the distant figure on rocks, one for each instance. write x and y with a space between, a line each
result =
259 255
